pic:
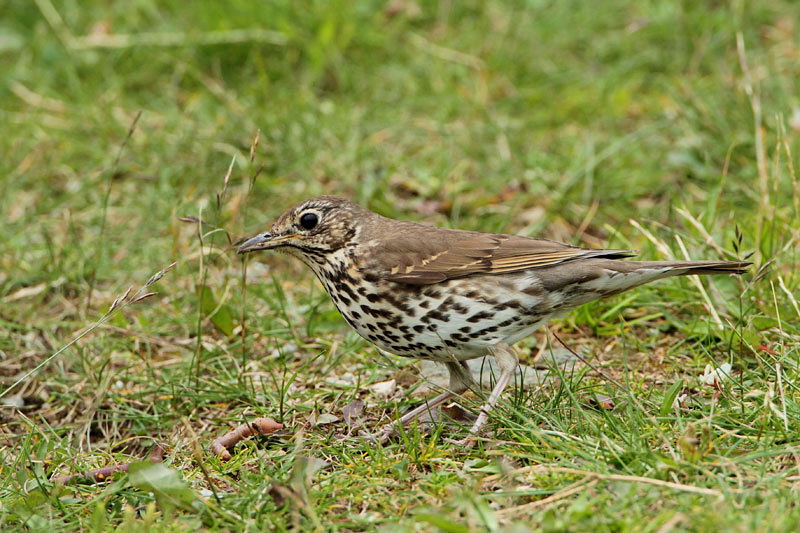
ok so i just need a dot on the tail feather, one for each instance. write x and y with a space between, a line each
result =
626 275
687 268
613 276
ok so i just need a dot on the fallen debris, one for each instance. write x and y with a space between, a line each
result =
259 426
384 389
101 474
323 419
352 413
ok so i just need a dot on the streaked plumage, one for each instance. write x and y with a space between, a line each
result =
451 295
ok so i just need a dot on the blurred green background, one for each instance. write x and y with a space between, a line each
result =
560 119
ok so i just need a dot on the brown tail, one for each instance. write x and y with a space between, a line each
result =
616 276
687 268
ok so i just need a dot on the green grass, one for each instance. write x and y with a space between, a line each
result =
554 119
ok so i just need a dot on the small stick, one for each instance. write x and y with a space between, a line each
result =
101 474
259 426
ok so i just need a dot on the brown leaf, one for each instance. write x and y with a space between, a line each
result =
352 413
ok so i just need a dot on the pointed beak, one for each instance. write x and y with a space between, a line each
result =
259 242
264 241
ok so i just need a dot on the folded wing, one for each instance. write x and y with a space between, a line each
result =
433 257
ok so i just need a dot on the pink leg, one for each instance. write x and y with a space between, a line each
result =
507 360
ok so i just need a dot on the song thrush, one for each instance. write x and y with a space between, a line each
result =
450 295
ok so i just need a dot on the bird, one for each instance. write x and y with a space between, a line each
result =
450 295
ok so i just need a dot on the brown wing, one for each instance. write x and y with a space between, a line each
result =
432 255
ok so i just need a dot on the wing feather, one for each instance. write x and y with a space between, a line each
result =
435 255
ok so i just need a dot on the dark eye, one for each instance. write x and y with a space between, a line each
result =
309 220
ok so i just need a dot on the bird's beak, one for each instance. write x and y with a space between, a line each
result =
263 241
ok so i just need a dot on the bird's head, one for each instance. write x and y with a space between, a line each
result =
311 229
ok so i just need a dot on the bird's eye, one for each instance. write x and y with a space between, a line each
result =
309 220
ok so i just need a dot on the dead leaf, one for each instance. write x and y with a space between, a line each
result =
325 418
26 292
352 413
384 389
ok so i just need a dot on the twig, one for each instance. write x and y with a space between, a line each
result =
259 426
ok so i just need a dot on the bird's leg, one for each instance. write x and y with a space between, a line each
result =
508 361
460 381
